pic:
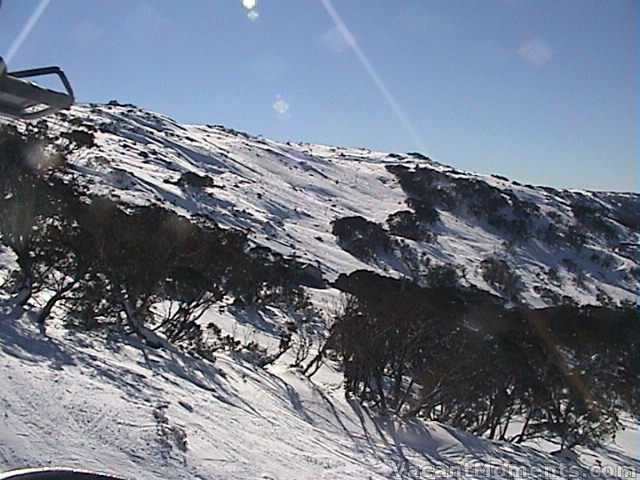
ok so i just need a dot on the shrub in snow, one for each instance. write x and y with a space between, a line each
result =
424 210
79 139
497 273
360 237
594 219
425 184
265 277
406 224
549 296
192 179
442 276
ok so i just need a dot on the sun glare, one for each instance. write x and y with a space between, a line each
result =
249 4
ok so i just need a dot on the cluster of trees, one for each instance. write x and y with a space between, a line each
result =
416 224
506 212
600 220
594 218
406 224
146 269
428 188
360 237
369 240
458 356
425 184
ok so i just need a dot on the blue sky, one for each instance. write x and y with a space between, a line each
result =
542 91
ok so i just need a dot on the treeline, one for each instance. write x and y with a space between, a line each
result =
146 269
458 356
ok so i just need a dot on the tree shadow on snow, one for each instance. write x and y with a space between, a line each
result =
29 345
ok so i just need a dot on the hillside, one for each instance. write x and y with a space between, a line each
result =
181 342
579 245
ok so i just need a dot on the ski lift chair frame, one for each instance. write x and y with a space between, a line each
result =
23 99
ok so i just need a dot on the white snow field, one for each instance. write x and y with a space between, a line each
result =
105 402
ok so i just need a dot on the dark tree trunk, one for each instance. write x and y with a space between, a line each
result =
316 362
134 322
52 302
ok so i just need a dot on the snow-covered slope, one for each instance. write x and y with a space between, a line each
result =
106 404
287 195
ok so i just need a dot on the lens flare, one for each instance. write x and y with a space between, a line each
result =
27 29
366 63
281 107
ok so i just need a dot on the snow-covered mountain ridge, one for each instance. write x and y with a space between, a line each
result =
562 245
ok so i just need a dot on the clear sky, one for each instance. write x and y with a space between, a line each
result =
542 91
